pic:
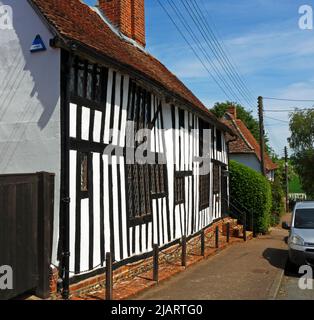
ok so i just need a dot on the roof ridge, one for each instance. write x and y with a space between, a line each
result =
79 23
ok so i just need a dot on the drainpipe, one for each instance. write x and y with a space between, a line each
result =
66 185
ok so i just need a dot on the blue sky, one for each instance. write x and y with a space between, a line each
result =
274 56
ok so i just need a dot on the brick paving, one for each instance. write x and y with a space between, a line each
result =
130 288
245 271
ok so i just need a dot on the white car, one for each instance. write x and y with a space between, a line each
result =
301 237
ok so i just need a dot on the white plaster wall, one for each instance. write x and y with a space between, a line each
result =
249 160
29 100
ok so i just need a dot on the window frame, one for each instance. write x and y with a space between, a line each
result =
137 218
161 190
218 140
216 182
202 203
180 175
84 193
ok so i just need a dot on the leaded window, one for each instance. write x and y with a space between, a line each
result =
158 180
204 190
138 186
216 178
87 79
179 188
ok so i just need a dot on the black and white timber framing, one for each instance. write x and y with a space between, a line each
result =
126 208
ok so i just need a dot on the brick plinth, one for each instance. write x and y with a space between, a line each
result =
169 261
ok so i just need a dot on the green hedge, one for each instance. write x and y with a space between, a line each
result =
252 191
278 205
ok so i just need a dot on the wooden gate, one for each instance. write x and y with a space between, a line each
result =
26 225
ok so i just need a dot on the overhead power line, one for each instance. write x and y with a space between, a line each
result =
216 34
289 110
291 100
283 121
221 69
207 33
193 36
194 51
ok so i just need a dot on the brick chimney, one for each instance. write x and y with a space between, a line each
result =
232 110
128 16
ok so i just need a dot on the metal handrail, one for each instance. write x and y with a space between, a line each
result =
243 213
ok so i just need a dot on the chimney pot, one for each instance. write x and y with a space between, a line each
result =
232 110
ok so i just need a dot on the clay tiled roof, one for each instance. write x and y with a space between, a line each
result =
246 143
75 21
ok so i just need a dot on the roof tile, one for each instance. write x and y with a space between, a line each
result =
75 20
246 143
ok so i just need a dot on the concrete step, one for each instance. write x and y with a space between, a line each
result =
249 235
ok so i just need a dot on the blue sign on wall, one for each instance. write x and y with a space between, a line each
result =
38 44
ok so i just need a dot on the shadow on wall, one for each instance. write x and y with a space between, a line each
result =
46 81
29 88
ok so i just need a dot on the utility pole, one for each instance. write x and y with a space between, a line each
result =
262 134
287 179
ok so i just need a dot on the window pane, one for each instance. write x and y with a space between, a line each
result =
204 189
219 140
84 172
80 75
179 190
97 85
304 219
89 90
216 178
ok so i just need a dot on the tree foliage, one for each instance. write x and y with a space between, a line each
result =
302 144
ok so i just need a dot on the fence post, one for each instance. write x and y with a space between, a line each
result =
217 237
109 279
183 255
244 227
45 228
203 243
155 262
228 232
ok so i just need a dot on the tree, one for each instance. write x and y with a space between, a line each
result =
302 144
248 119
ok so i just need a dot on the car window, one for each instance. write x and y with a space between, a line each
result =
304 219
